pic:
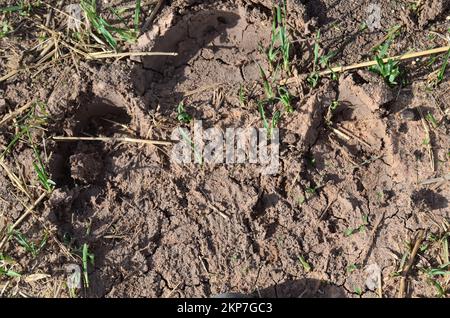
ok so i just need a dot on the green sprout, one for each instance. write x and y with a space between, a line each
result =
304 263
242 96
25 125
314 77
389 70
104 29
285 98
183 116
30 246
23 8
4 261
269 125
5 28
386 67
280 44
361 228
440 76
137 13
432 120
267 86
87 257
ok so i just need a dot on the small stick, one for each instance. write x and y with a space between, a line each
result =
428 136
119 139
225 216
387 36
201 89
341 69
9 75
344 151
14 179
380 285
64 13
118 124
348 132
105 55
15 113
3 287
20 220
173 290
203 265
419 240
372 238
434 180
366 162
394 58
340 133
328 207
153 14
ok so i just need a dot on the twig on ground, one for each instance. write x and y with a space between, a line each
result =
15 179
365 254
23 217
113 139
435 180
153 14
15 113
105 55
407 56
419 239
428 139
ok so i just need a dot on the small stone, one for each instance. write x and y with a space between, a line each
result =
208 54
408 114
373 272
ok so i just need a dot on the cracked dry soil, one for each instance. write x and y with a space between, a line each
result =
161 230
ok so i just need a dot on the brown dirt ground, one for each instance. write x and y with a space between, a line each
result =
158 229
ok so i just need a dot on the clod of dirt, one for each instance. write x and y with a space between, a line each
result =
85 167
364 89
433 10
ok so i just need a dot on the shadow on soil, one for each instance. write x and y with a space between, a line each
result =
300 288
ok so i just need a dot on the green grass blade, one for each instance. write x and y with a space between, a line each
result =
441 73
137 13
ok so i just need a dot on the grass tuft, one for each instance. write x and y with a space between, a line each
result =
389 69
4 270
280 46
104 31
30 246
26 126
441 73
271 124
